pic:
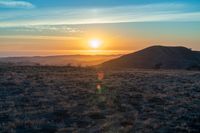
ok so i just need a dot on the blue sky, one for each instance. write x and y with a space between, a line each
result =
171 22
43 12
100 3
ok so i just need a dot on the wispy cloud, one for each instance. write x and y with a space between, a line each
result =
44 30
132 13
15 4
53 28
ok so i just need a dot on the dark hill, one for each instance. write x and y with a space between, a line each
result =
158 57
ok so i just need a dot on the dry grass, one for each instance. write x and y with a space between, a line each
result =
64 99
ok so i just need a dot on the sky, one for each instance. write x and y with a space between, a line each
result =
62 27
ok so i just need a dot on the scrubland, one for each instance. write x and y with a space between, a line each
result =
49 99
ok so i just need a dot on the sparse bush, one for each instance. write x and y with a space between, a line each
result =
193 67
158 66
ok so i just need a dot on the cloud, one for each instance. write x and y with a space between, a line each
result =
43 30
15 4
132 13
53 28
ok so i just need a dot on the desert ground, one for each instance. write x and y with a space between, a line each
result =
49 99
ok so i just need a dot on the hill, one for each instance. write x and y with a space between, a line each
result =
158 57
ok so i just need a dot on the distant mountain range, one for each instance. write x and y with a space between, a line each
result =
74 60
158 57
155 57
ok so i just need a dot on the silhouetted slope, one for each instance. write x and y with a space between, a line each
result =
157 57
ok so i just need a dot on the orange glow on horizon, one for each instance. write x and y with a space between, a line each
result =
100 44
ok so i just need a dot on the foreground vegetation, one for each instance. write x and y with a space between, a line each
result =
65 99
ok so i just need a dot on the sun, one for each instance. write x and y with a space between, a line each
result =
95 43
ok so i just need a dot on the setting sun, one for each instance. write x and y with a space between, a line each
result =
95 43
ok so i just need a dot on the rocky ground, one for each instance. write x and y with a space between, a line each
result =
65 99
